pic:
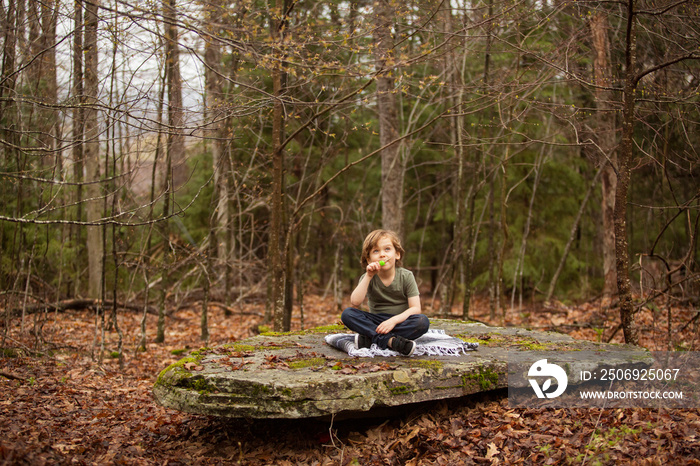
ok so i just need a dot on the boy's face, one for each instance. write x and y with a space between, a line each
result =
384 251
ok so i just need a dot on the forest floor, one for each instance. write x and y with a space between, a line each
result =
61 405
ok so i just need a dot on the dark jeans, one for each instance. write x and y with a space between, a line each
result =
365 323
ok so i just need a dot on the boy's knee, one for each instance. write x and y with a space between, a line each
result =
347 314
423 323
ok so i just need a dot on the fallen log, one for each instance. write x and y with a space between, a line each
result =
74 305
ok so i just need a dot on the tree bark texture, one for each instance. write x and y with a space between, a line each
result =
78 135
7 116
605 129
276 244
213 75
95 247
42 18
176 138
392 165
624 290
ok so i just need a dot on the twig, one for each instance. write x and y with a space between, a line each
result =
332 434
330 429
617 329
7 375
692 319
234 311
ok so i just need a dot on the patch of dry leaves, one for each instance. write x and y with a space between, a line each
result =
62 406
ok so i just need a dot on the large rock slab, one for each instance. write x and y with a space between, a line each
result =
297 375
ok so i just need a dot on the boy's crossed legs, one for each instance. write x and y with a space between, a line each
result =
365 323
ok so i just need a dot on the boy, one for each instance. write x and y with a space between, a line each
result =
394 319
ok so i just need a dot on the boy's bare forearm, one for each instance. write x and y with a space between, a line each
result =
359 293
407 313
389 324
414 308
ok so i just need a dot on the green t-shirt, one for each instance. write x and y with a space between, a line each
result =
392 299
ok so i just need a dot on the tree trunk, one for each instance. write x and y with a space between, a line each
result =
174 148
277 250
217 126
392 165
42 76
277 261
623 179
93 209
500 292
493 232
456 100
605 128
7 117
176 138
78 135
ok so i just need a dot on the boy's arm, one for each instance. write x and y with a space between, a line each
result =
360 292
388 325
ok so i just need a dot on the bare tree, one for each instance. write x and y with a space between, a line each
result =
174 148
216 107
632 76
78 136
605 133
277 250
95 201
393 166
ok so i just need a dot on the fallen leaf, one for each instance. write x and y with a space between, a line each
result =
492 450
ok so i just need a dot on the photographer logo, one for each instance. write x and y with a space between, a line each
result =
543 369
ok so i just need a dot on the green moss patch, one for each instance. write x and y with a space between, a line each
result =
486 378
307 362
177 371
397 390
509 341
200 385
239 348
428 364
335 328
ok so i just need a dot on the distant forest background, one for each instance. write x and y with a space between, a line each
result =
525 151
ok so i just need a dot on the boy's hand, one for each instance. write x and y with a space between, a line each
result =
386 326
373 268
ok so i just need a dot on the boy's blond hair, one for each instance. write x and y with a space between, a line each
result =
371 241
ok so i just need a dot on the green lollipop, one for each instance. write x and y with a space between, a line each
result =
382 263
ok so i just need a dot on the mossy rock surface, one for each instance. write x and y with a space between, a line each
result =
297 375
